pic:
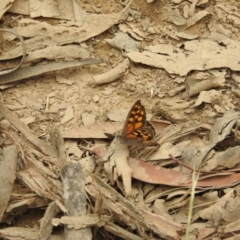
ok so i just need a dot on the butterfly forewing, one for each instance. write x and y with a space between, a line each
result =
137 130
135 120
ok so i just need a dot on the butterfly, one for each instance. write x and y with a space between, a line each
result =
137 130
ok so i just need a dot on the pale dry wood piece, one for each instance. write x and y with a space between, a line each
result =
27 133
21 233
8 165
58 144
46 222
126 213
24 73
75 198
78 222
120 232
112 75
20 202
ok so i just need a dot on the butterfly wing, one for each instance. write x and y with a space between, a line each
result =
136 119
137 130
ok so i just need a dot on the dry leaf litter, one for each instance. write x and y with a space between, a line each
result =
69 73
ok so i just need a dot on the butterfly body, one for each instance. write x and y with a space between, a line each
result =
137 130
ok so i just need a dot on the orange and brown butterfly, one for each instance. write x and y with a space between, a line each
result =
137 130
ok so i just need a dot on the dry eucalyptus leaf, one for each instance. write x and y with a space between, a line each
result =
167 148
225 209
172 15
46 8
160 209
123 42
23 73
220 130
172 111
187 58
63 80
235 88
196 17
72 148
28 120
195 87
222 160
4 6
186 36
58 52
134 32
164 49
20 7
57 35
68 115
88 164
207 97
88 118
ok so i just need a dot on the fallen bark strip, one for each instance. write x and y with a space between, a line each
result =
120 232
23 73
46 222
27 133
8 166
13 233
75 199
125 212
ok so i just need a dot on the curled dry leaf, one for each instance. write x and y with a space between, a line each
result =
194 155
22 49
112 75
195 87
227 159
225 209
